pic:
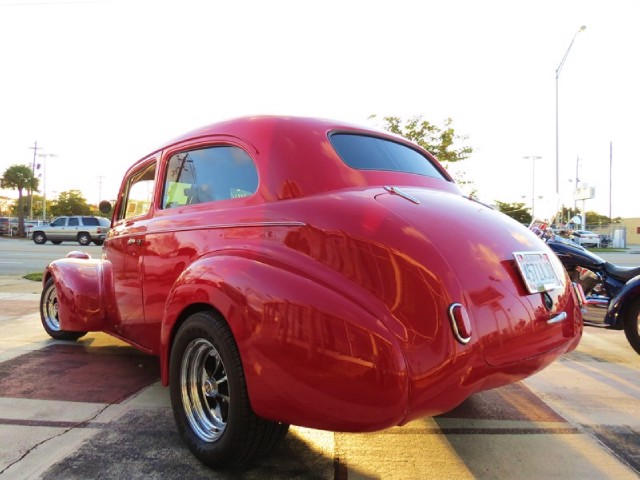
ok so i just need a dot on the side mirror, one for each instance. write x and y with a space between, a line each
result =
105 207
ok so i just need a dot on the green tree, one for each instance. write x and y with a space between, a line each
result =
595 219
436 140
518 211
70 202
26 203
19 177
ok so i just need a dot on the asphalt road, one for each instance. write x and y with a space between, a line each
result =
22 256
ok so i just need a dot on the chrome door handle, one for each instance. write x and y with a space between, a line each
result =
134 241
561 317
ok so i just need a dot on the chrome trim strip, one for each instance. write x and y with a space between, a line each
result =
402 193
214 226
255 224
561 317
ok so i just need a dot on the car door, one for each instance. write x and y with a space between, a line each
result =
72 229
57 229
125 251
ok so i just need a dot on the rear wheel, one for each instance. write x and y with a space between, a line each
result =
39 238
209 396
84 239
49 314
631 320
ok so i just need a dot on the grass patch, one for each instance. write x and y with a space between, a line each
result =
607 250
36 277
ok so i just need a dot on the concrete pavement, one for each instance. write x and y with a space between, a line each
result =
94 409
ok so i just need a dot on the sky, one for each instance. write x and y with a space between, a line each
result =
101 83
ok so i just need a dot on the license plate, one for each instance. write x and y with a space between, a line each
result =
537 272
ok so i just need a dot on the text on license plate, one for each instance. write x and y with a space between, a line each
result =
536 271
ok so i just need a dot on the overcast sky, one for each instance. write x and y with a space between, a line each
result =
101 83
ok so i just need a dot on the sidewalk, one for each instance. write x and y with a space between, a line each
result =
14 285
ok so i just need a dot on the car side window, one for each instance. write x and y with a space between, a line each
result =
73 222
139 192
59 222
207 175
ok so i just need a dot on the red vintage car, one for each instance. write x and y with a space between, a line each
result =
310 272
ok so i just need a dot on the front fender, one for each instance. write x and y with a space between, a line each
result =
311 355
629 292
80 292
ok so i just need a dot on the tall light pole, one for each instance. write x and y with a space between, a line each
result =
558 70
44 183
533 183
35 149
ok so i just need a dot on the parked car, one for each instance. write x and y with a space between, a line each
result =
5 225
81 229
586 238
299 271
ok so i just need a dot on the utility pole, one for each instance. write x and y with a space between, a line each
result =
100 177
610 175
35 149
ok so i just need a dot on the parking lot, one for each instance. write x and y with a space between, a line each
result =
95 409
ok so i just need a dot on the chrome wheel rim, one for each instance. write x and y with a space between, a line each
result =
50 309
204 390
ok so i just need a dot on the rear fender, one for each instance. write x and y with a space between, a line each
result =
82 299
629 292
303 343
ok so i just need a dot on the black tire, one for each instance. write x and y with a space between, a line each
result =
49 314
209 396
631 321
56 242
39 238
98 242
84 239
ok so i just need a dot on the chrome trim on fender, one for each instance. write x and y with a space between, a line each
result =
561 317
462 337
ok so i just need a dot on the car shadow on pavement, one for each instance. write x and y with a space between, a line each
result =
145 444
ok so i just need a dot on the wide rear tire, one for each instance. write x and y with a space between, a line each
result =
209 396
631 320
49 314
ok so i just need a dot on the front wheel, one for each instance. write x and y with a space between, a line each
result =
209 396
631 320
49 314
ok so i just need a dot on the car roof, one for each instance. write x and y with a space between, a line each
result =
294 156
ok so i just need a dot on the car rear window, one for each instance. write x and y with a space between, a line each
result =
89 221
372 153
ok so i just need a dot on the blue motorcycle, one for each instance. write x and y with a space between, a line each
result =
605 285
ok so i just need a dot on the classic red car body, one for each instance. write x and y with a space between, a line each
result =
336 282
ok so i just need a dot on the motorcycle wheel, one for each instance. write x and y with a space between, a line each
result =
631 320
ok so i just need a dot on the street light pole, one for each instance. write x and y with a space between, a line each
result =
533 183
44 183
558 70
35 149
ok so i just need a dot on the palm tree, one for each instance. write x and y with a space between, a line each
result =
19 177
